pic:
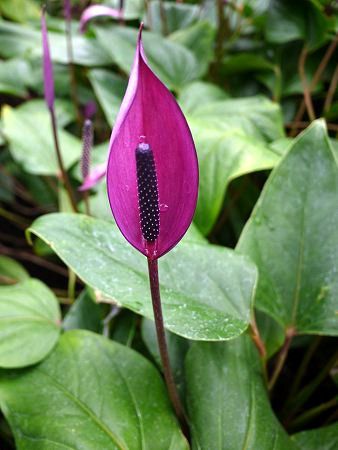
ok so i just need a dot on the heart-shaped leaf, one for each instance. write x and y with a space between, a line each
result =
206 290
292 236
227 400
325 438
90 393
29 323
32 145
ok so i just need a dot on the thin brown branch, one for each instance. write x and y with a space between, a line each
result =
321 67
30 257
331 91
290 333
302 125
306 89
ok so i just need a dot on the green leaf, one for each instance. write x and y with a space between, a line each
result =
19 10
109 89
18 40
227 400
29 323
177 349
199 39
11 271
231 138
292 236
195 94
84 314
174 64
32 145
90 393
177 15
325 438
245 62
288 20
13 77
215 305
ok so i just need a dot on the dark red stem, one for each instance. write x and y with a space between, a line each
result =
162 344
64 175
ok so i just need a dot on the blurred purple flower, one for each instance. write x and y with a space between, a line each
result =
94 177
89 109
67 10
48 79
96 11
152 173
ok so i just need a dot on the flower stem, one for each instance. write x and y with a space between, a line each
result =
162 344
73 84
64 175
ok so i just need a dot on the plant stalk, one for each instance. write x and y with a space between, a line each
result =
64 175
162 344
290 333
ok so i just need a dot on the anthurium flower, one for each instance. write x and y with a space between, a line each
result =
96 11
152 173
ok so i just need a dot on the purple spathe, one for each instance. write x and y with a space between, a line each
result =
96 11
149 113
48 79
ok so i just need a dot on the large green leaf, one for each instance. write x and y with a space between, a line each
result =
232 139
19 10
18 40
174 64
325 438
292 236
90 393
14 76
30 137
11 271
29 323
288 20
199 39
109 89
206 290
227 400
177 15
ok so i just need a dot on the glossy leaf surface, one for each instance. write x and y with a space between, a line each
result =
292 236
33 146
215 306
325 438
29 323
90 393
232 138
227 399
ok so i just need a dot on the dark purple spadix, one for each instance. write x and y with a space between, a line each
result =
152 172
147 191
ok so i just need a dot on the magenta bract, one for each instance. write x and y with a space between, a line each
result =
151 127
96 11
48 79
95 175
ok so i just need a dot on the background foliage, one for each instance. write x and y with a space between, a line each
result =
78 354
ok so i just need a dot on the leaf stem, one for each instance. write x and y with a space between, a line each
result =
303 366
64 175
162 344
164 21
71 285
321 67
310 388
313 412
73 84
290 333
306 89
331 91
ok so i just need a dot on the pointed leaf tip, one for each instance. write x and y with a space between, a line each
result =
48 78
150 117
